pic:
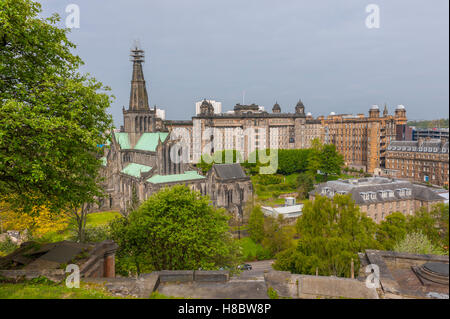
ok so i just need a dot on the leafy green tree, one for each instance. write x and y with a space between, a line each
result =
424 222
417 243
330 161
305 184
332 232
440 212
314 159
52 118
276 236
175 229
256 225
391 230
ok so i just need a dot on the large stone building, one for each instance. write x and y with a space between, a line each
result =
363 140
360 139
141 158
425 160
248 128
379 197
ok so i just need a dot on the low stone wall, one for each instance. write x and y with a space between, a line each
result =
176 276
404 260
211 276
55 275
145 284
310 287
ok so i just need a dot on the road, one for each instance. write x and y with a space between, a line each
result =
257 272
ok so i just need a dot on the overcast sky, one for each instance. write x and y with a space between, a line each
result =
318 51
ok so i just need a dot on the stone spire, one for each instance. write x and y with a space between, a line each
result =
138 94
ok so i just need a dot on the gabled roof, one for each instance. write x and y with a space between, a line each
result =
229 171
135 170
149 141
186 176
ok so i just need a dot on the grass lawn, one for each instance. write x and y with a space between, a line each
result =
101 219
253 251
93 220
46 291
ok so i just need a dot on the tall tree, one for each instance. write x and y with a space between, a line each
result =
256 225
332 232
423 221
52 118
305 184
330 161
392 230
175 229
314 158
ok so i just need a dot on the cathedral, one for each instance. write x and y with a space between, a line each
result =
143 158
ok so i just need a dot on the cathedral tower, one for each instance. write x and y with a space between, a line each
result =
139 118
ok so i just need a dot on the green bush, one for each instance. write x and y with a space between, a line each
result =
7 247
97 234
272 293
270 179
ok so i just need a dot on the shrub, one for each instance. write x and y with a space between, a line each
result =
267 179
417 243
272 293
7 246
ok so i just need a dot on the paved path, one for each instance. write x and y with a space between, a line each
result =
257 272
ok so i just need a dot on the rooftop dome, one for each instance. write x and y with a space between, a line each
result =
309 114
374 107
276 108
400 107
332 113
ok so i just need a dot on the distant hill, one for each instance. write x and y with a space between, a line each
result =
442 123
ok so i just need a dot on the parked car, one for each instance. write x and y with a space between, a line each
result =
245 267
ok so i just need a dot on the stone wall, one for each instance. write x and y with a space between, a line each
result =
310 287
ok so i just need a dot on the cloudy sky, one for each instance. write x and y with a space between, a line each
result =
319 51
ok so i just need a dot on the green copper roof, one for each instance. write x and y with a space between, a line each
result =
123 140
135 170
187 176
149 141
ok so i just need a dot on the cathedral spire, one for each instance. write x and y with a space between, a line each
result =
138 94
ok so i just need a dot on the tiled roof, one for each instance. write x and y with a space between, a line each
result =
229 171
149 141
186 176
135 170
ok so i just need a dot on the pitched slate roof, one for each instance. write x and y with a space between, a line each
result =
377 185
149 141
229 171
135 170
186 176
427 146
